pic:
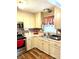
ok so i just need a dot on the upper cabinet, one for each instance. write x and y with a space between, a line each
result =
34 20
56 12
27 18
38 18
57 17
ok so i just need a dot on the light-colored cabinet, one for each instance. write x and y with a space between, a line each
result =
48 46
40 44
54 49
57 51
57 17
36 42
51 47
45 46
27 18
28 44
38 18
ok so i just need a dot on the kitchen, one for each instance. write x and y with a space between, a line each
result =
39 24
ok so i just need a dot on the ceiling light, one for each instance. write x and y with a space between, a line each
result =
22 4
47 10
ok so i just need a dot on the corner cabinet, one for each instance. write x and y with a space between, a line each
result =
46 45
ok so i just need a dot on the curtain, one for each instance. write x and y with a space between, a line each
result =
48 20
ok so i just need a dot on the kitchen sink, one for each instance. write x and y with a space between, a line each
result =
55 37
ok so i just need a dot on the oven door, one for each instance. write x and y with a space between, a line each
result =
20 43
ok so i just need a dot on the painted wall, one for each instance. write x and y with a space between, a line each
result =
27 18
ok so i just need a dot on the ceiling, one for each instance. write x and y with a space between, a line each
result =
33 5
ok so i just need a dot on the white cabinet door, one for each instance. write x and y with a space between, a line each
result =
28 42
57 51
57 17
39 44
54 49
38 20
45 45
51 49
34 42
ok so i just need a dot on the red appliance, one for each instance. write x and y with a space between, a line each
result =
20 43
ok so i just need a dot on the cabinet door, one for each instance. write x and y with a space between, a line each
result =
57 18
28 42
34 42
39 44
51 49
57 51
38 20
45 45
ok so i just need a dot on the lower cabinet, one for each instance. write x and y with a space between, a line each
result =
28 42
47 46
51 49
40 44
56 51
34 42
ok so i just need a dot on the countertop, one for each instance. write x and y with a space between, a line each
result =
58 42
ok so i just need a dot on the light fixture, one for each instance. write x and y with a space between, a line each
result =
22 4
47 10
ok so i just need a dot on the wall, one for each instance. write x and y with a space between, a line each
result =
27 18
